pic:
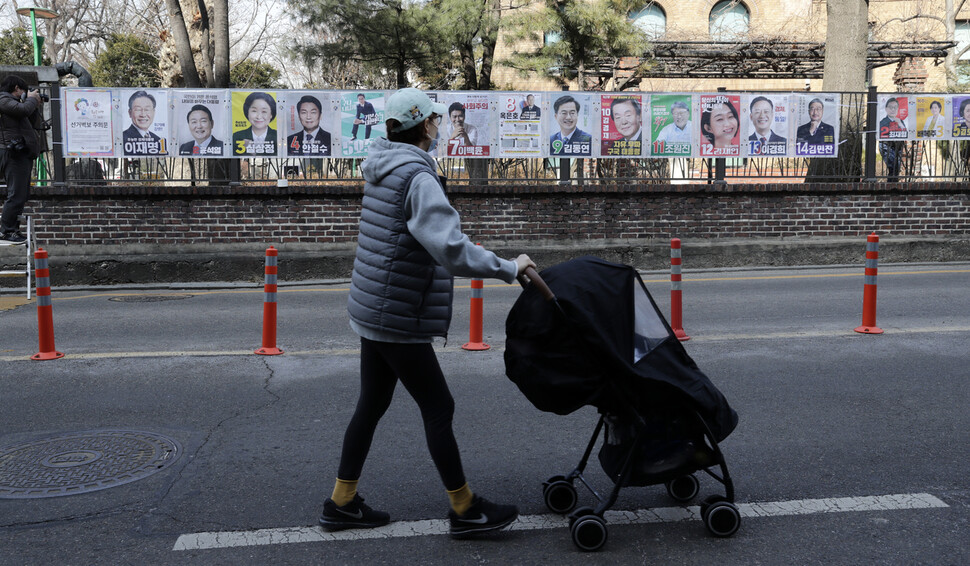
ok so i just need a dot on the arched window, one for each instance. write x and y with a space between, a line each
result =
729 21
651 20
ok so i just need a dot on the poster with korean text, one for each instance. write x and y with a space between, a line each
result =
144 119
254 125
817 120
88 123
519 120
200 120
720 125
465 130
671 125
765 117
308 124
361 121
960 111
893 115
621 125
931 120
569 125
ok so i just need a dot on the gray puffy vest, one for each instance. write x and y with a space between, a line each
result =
396 287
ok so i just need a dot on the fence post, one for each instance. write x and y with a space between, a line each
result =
676 292
872 146
869 289
45 315
269 305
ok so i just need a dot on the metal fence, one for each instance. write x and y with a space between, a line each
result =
860 158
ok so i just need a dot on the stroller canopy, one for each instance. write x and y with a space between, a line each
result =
604 342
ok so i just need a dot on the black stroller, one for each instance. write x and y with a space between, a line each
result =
587 332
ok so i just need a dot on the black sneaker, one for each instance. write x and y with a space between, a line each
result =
482 517
354 515
13 238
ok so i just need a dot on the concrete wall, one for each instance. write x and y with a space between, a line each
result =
110 235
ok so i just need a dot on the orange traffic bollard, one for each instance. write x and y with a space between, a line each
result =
45 315
869 288
676 299
269 306
476 318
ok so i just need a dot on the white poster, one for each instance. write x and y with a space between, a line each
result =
519 117
88 124
466 127
201 119
144 119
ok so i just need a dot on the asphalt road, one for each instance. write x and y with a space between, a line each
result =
851 449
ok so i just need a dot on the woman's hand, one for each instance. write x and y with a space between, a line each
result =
522 263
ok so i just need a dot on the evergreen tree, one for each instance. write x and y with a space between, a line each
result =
254 74
127 61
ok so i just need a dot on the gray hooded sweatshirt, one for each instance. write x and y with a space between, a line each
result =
409 246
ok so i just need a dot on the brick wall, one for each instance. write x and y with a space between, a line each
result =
327 216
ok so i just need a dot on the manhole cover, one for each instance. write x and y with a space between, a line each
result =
148 298
82 462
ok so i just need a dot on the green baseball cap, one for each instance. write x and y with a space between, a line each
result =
410 106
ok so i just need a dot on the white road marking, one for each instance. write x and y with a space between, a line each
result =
289 535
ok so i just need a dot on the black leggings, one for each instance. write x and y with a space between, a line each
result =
382 364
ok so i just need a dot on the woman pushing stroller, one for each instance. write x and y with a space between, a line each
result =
409 247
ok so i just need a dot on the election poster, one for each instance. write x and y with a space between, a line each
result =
201 118
519 125
931 122
765 117
466 127
671 125
961 116
621 125
720 126
254 125
145 122
88 123
893 117
570 127
361 121
817 116
308 122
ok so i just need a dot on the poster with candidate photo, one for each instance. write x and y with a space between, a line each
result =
361 121
621 125
254 124
144 122
671 125
569 125
893 117
817 121
720 125
519 121
960 111
765 119
931 118
201 121
465 130
88 124
309 119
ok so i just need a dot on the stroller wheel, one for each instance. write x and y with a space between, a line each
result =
579 514
722 519
684 488
560 496
708 501
589 532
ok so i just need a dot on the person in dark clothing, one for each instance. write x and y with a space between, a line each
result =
19 145
365 115
409 248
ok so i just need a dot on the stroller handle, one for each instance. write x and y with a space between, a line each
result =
532 276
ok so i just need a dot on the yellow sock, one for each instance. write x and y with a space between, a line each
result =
344 492
461 499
